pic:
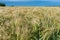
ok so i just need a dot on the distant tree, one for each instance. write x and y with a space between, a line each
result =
12 5
2 4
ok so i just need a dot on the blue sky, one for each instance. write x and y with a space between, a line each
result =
31 2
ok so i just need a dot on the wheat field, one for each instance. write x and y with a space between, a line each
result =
29 23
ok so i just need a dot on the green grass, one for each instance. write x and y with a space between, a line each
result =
29 23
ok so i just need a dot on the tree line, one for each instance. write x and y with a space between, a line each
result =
2 4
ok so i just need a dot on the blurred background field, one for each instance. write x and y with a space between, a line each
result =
29 23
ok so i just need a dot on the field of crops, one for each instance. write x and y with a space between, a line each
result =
29 23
